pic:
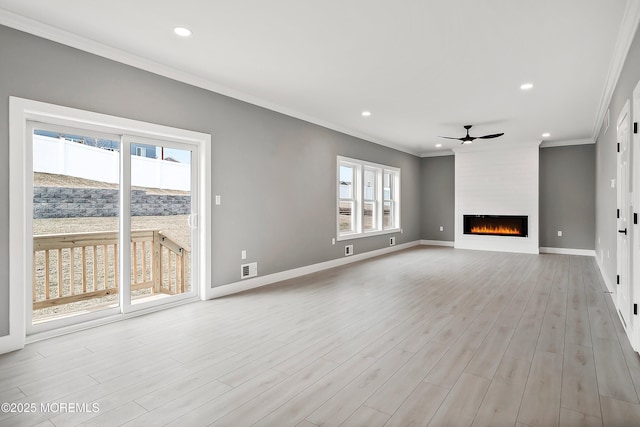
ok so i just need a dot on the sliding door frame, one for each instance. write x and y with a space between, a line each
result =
22 111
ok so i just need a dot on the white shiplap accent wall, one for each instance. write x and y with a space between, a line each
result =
497 181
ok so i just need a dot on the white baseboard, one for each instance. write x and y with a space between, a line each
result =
260 281
436 243
11 342
568 251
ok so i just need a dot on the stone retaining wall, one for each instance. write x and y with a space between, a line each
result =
65 202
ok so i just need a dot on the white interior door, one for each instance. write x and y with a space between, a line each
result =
624 294
635 227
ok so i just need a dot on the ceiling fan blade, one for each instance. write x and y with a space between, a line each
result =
495 135
450 137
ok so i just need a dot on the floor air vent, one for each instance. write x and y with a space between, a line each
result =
248 270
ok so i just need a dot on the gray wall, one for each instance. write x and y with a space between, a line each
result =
567 197
606 203
276 174
438 197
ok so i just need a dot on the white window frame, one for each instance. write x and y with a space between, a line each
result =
375 216
394 190
359 167
355 196
22 111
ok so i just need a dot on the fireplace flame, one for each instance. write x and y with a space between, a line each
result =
500 229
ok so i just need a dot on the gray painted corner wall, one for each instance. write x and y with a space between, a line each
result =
606 164
275 174
567 197
438 198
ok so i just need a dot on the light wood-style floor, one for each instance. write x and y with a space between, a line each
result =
428 336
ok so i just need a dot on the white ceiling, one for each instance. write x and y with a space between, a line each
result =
424 68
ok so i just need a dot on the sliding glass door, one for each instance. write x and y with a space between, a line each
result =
162 220
76 212
114 224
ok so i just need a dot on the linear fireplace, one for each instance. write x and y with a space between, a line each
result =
496 225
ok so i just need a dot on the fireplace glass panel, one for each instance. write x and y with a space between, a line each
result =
497 225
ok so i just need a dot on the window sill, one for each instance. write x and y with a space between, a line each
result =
353 236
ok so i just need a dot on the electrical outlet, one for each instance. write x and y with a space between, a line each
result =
333 241
243 254
348 250
218 199
392 241
441 228
559 233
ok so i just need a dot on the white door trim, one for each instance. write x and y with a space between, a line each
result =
635 228
23 110
624 291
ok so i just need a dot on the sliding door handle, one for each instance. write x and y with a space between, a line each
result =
623 231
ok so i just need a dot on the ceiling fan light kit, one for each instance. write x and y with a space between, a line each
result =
467 139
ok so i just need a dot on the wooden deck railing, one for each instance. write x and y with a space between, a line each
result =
75 267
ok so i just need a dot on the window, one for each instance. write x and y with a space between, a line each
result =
368 198
347 204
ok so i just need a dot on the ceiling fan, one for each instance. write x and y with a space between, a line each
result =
467 139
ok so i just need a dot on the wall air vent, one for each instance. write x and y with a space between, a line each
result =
248 270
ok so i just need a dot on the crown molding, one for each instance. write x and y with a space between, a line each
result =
40 29
562 143
543 144
628 27
440 153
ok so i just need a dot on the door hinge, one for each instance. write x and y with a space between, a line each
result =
617 213
635 217
617 279
618 147
635 127
635 309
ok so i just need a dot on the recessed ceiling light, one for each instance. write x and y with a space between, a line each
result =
526 86
366 113
438 145
182 31
546 135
